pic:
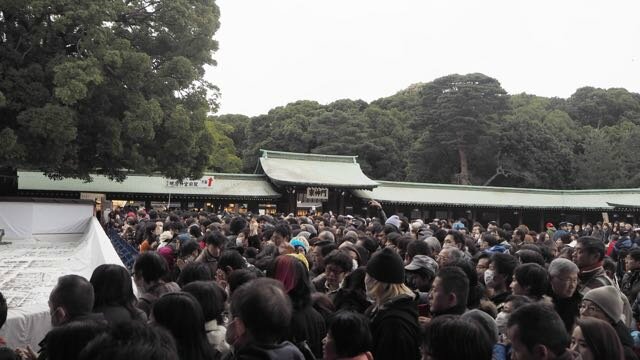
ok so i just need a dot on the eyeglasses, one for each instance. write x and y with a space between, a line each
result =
588 307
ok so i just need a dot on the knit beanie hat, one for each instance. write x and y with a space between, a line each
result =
607 298
393 220
386 266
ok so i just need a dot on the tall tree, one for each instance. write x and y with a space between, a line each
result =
238 126
602 107
458 111
106 86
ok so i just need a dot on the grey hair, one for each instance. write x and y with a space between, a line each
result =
327 235
455 254
434 244
561 266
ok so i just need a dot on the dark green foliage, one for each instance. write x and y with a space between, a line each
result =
106 86
418 135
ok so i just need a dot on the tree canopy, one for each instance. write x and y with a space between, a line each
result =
106 86
462 129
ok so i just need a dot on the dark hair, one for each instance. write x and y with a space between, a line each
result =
389 229
454 280
635 255
67 341
267 232
353 294
194 271
215 238
3 310
211 298
151 266
268 250
187 247
232 259
442 339
475 289
73 293
481 255
601 338
540 324
458 237
326 248
149 232
283 229
534 277
592 245
339 258
239 277
518 301
264 308
418 247
470 244
350 333
490 239
132 340
370 244
295 278
530 256
403 243
181 314
504 264
237 224
112 287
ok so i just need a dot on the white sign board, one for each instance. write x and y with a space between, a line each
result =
317 193
203 182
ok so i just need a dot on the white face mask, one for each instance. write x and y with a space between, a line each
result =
488 276
501 321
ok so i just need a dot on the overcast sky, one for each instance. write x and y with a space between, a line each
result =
273 52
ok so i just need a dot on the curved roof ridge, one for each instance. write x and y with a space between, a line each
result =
308 156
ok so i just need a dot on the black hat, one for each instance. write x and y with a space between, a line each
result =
386 266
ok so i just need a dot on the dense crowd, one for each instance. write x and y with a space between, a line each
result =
243 286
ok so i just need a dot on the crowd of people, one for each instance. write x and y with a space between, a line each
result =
242 286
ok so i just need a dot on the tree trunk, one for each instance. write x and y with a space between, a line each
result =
464 166
8 181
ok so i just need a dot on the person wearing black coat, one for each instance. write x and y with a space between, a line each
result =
394 314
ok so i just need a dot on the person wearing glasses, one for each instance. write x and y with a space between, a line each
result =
604 303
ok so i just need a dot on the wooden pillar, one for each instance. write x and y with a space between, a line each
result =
341 194
541 223
520 216
292 200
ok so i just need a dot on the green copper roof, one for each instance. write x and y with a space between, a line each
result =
222 185
485 196
284 168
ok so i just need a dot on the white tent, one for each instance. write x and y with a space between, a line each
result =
47 240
